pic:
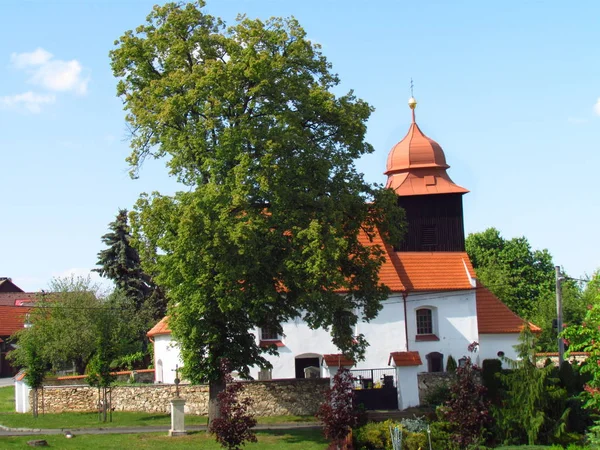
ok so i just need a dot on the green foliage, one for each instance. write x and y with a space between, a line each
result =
524 279
490 376
511 269
438 395
534 410
451 364
120 262
267 229
63 323
376 435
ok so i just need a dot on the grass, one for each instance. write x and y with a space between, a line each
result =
7 399
120 419
267 440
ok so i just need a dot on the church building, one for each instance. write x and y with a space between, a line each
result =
436 308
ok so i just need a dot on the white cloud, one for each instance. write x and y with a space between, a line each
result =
50 73
29 101
37 57
597 107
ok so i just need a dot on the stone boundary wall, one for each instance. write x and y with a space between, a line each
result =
139 376
430 381
271 398
574 358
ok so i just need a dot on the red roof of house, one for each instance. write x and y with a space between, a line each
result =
417 165
12 319
405 359
494 317
338 360
15 298
160 328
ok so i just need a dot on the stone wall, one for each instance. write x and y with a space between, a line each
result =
271 398
135 376
431 381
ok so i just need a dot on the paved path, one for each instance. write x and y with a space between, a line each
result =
7 381
134 430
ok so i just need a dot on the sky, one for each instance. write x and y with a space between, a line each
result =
510 90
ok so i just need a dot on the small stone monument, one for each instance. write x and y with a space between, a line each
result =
177 410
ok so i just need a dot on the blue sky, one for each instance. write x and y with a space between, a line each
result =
511 90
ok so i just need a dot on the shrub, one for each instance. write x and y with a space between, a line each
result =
439 395
374 436
338 413
467 411
234 426
451 364
490 370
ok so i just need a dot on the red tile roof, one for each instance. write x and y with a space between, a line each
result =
160 328
388 274
494 317
435 271
403 359
338 360
12 319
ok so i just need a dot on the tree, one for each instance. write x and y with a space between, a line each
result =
99 367
120 262
30 359
63 323
524 279
534 408
513 271
269 226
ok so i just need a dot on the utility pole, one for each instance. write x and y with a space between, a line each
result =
559 315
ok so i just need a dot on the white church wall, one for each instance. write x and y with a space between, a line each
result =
455 323
385 334
491 344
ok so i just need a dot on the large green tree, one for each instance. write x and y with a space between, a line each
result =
524 279
268 227
120 262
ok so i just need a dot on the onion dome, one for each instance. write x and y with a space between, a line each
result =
417 165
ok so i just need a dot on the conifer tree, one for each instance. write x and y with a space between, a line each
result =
120 262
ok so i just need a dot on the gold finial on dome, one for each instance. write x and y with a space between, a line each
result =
412 103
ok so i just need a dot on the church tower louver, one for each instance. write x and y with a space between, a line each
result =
416 169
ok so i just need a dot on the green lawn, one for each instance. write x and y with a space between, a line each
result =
120 419
7 399
267 440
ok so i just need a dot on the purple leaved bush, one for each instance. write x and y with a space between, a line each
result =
234 426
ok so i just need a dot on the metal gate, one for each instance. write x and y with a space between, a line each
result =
375 389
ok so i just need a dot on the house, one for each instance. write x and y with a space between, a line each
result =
13 317
436 308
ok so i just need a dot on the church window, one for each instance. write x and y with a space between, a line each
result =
269 334
424 321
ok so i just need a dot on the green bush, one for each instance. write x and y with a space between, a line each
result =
451 364
439 395
374 436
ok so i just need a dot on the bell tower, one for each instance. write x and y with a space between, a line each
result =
416 170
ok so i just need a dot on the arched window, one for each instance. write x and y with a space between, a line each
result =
424 321
159 371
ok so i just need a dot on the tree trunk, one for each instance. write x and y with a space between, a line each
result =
214 388
34 406
79 366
